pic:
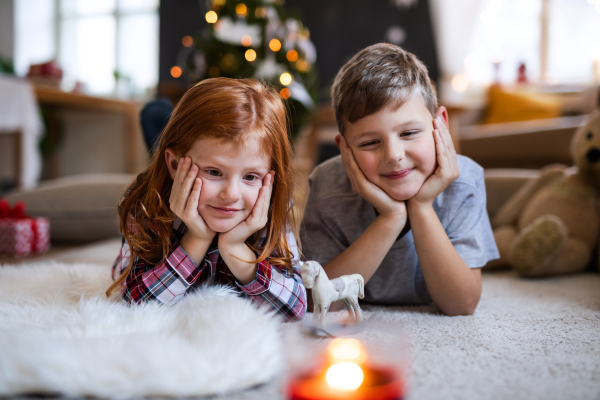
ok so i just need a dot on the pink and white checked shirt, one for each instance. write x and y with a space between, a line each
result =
170 280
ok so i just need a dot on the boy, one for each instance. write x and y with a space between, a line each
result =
398 206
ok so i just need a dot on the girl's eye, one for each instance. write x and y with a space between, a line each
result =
213 172
250 177
369 143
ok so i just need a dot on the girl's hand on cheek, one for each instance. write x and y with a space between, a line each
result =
256 220
377 197
185 195
447 166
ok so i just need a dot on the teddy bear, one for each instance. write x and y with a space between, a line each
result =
551 225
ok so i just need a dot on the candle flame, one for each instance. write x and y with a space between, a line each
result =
344 376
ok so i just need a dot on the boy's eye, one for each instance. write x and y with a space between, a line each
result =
409 133
213 172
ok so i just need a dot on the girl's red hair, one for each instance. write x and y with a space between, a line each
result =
219 108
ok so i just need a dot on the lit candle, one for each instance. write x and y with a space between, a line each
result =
346 372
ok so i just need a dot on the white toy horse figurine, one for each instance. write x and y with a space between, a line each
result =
347 288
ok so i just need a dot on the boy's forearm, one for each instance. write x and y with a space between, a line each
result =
368 251
453 286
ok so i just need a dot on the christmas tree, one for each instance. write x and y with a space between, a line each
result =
257 39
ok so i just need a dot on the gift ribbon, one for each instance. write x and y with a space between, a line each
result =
18 212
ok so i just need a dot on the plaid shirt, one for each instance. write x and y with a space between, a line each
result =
170 280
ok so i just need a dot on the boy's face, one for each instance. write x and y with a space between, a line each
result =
395 149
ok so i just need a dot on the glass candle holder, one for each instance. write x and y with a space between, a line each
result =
375 368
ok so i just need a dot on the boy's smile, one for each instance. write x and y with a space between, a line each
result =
395 149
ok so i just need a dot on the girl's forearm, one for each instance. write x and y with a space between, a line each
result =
236 257
453 286
195 247
368 251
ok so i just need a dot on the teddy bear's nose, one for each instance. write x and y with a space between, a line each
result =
593 155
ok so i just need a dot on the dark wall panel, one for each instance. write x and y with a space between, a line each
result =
178 18
340 28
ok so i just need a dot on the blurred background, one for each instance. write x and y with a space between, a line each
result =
518 76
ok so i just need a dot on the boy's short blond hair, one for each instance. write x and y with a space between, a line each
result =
377 76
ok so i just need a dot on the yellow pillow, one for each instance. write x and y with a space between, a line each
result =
510 107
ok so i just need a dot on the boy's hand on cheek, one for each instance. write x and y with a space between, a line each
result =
447 167
185 194
377 197
256 220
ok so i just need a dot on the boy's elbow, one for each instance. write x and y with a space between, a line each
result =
464 308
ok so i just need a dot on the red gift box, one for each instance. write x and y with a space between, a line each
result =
21 235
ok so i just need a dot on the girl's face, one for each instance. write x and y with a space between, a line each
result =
232 175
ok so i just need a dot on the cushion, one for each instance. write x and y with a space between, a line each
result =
506 106
81 208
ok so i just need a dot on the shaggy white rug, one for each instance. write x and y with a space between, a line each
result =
59 333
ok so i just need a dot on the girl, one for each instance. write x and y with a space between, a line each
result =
213 206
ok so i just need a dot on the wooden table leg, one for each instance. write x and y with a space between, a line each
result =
18 158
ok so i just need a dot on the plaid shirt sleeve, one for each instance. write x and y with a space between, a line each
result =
278 287
166 282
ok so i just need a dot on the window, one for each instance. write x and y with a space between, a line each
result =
110 46
473 35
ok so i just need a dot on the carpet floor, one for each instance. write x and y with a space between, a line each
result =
528 339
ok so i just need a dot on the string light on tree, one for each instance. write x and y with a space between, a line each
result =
302 66
187 41
260 12
211 17
275 45
285 78
285 93
292 55
250 55
246 40
241 10
175 72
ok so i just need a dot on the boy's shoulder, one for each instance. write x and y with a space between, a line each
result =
329 179
471 173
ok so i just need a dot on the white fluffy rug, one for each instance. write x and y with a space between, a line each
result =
59 333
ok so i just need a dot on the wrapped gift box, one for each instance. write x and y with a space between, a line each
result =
21 235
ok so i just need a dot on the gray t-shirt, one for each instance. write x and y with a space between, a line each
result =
335 217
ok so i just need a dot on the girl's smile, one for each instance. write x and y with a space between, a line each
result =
225 210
